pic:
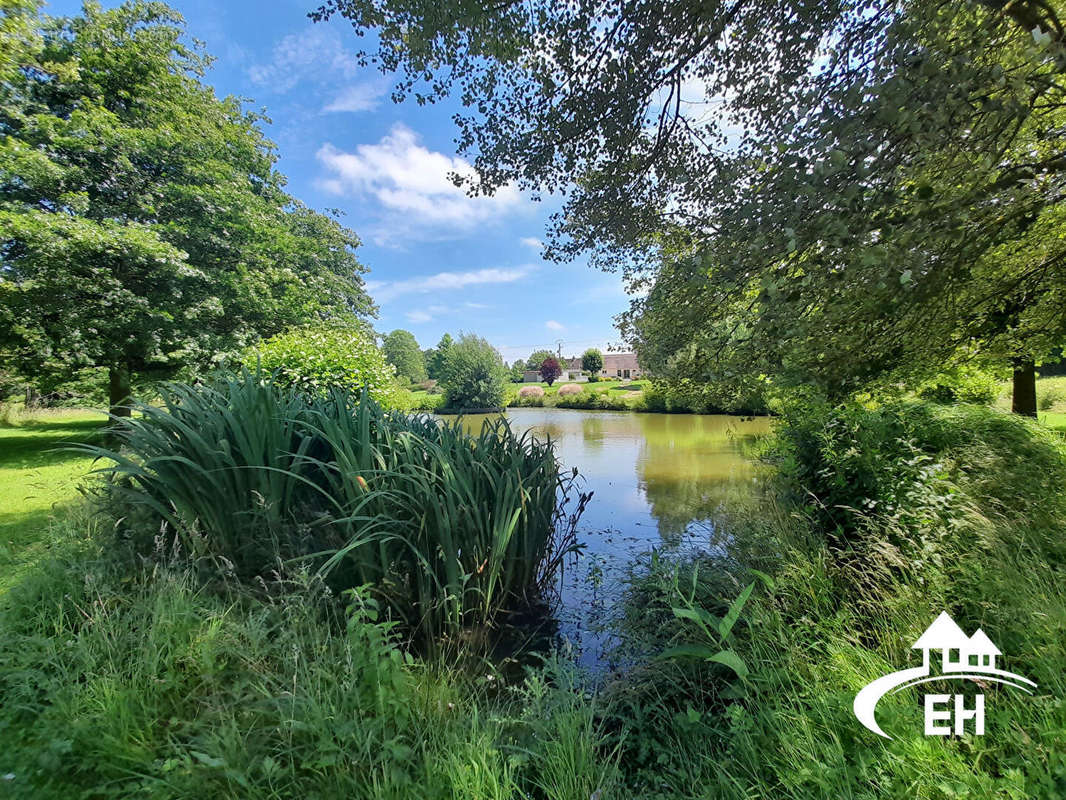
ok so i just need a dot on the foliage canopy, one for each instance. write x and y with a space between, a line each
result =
143 226
474 376
402 351
829 193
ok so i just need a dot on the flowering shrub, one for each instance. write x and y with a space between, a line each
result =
569 388
315 359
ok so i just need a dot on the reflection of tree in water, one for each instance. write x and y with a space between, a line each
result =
593 432
689 465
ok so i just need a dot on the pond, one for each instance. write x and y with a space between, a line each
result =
657 479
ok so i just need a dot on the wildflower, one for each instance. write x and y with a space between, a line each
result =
361 481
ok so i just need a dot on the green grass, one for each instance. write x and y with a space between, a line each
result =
120 679
39 481
1056 420
123 683
619 388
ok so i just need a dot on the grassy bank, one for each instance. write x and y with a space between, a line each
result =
38 480
879 521
613 395
125 679
1050 401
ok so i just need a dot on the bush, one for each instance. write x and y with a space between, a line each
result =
474 376
569 388
531 391
961 385
894 468
688 396
315 360
1050 392
599 401
450 528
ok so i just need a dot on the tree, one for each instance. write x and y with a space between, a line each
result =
518 371
143 227
436 357
862 200
402 351
537 357
592 361
319 357
550 370
474 375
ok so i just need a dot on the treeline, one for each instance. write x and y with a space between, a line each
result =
145 231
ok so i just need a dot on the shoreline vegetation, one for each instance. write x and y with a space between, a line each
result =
275 680
267 575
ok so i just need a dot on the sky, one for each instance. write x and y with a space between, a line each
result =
439 261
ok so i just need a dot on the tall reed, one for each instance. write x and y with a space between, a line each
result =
449 528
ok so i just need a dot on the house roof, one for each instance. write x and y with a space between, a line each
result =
980 643
611 361
943 633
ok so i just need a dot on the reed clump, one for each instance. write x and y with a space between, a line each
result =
449 529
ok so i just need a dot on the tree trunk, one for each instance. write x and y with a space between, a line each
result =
119 389
1024 394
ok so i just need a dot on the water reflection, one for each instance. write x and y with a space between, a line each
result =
657 478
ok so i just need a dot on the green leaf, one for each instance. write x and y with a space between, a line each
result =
697 615
725 627
731 660
689 651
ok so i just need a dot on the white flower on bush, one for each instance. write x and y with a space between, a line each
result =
314 359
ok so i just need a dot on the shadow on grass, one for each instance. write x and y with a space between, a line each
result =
45 444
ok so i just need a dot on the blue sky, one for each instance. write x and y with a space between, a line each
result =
439 261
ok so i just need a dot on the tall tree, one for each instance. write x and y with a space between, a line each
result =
592 361
866 189
518 370
143 226
537 357
437 357
402 351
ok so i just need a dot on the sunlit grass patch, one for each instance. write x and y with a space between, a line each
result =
39 480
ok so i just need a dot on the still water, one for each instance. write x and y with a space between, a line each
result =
657 479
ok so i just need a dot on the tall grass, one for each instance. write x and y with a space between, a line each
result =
450 529
124 683
886 518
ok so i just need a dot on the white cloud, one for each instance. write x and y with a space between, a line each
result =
311 54
411 182
532 243
364 96
383 292
431 313
552 325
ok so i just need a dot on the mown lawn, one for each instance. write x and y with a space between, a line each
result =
39 480
625 389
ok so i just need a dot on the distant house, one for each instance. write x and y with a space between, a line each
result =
567 376
615 365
